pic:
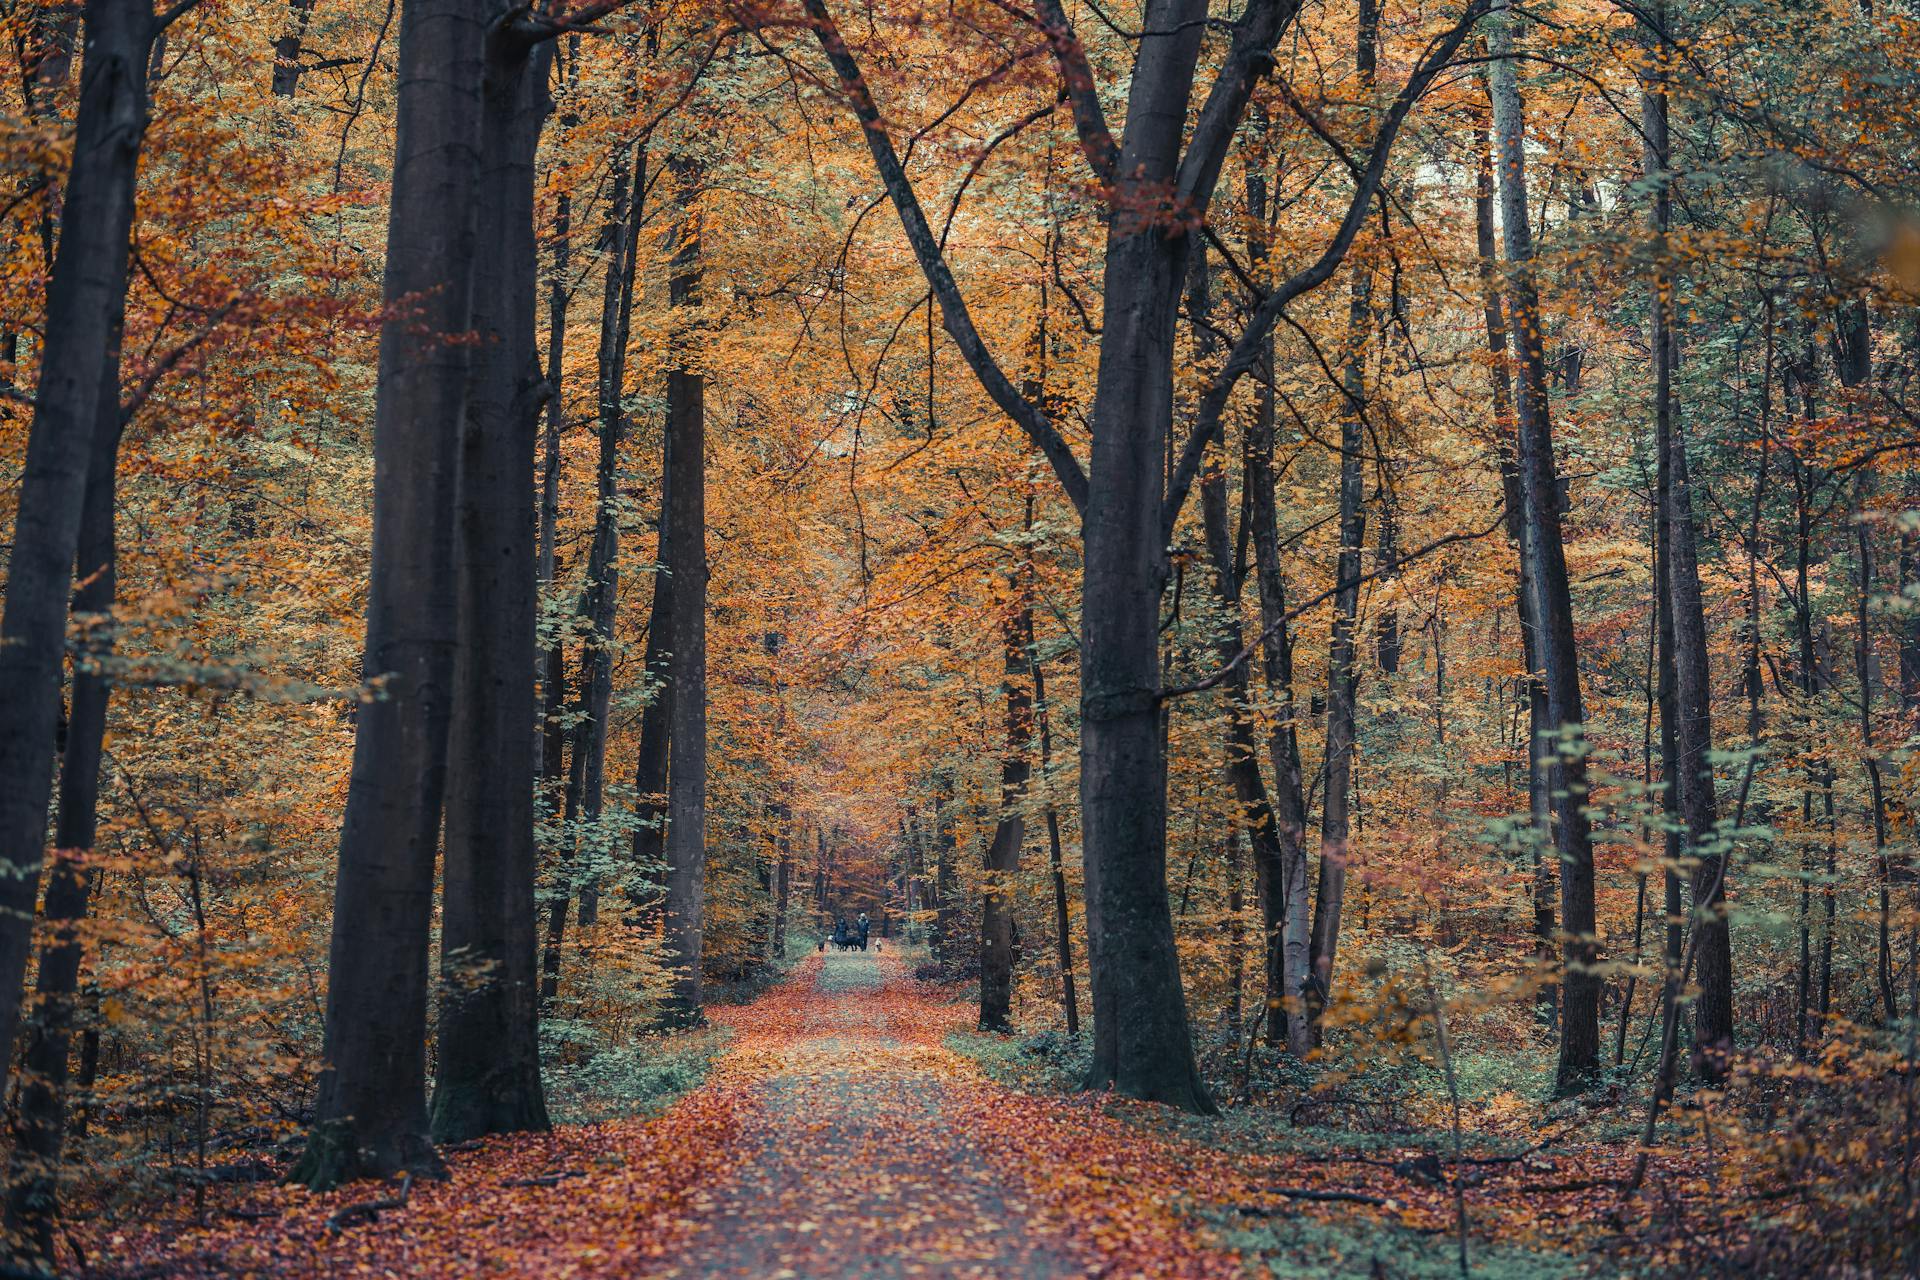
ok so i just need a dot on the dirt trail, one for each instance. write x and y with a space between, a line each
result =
861 1163
837 1136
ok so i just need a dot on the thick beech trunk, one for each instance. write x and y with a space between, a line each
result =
1142 1046
1546 572
85 296
650 772
1009 833
686 844
487 1068
370 1119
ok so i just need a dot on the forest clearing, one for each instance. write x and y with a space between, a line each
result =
1006 638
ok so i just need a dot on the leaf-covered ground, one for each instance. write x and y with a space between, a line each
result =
840 1135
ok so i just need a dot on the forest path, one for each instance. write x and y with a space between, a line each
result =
838 1135
860 1164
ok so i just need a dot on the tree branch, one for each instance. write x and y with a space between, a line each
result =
1246 351
933 264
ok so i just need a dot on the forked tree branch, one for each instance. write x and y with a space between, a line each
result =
933 264
1246 351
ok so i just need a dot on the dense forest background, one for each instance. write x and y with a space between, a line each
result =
1362 557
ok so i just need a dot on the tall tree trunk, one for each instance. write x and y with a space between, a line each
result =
1545 881
40 1132
946 894
85 295
1142 1045
487 1065
551 737
782 881
1342 675
601 603
1854 358
1242 750
370 1119
1282 890
1547 578
650 772
686 846
1062 918
1010 833
1693 709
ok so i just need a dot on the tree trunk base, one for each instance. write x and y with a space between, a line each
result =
334 1156
501 1102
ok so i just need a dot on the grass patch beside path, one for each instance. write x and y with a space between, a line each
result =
637 1079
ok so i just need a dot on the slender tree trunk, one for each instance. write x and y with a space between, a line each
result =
371 1116
650 773
782 881
601 603
1062 919
1547 578
686 846
1010 833
1282 890
1342 676
1546 883
946 905
42 1104
1693 720
1242 751
487 1065
1336 810
85 295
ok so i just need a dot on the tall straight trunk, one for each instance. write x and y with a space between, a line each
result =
40 1130
86 293
1282 889
1242 750
601 603
1545 883
650 772
1909 570
1062 917
1336 810
593 689
946 895
1854 358
782 881
1546 560
1693 691
370 1118
1010 832
487 1065
1142 1044
1386 634
551 737
686 846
